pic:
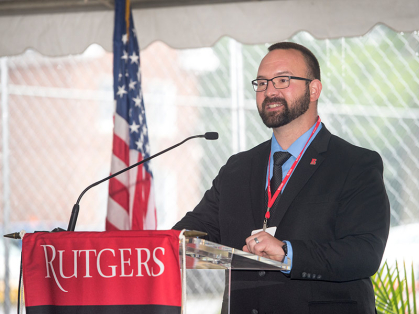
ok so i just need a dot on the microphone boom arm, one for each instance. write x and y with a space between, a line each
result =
76 207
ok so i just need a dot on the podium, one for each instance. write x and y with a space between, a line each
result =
128 272
206 273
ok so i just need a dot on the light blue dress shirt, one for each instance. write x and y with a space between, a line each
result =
294 150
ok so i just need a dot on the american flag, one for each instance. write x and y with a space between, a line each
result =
131 194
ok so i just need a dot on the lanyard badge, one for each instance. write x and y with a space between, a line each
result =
271 199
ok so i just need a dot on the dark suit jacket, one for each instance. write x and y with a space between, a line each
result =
335 214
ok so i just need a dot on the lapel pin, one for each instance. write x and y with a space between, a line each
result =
313 162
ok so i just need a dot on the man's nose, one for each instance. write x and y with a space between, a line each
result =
271 90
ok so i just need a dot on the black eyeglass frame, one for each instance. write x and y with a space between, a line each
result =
289 82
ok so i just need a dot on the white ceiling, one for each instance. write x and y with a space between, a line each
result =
56 31
10 7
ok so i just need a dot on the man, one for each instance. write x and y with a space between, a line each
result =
331 211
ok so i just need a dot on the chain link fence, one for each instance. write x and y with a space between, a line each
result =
57 124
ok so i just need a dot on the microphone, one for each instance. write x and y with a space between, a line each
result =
76 207
211 135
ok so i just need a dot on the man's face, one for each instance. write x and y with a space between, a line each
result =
278 107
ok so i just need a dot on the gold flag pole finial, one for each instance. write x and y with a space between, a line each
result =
14 235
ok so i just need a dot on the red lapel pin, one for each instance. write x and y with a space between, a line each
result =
313 162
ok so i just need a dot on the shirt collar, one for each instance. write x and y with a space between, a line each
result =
298 145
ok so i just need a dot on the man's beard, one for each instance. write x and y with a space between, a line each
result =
277 119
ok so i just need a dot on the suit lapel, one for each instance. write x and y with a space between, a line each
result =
301 175
259 167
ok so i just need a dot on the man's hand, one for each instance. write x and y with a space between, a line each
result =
265 245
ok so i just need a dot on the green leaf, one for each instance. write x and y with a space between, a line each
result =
407 289
392 293
414 291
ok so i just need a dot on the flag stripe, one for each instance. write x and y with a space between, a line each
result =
119 193
121 151
109 226
117 165
117 215
134 187
121 128
150 219
141 199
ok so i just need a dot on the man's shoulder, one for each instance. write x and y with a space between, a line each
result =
331 142
337 142
352 153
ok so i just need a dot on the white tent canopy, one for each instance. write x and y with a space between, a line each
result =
202 25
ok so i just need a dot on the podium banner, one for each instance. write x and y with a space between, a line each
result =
102 272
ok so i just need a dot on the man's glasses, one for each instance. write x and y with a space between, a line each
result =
279 82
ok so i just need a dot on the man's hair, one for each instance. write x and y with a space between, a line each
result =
313 68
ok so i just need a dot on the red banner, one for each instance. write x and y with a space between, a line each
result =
87 271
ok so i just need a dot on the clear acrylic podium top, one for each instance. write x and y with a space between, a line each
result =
204 254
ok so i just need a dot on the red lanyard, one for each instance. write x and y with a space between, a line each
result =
271 200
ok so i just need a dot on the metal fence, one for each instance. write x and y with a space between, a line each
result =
57 124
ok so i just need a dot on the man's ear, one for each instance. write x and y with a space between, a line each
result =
315 90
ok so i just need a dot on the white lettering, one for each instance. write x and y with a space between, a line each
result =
87 261
50 264
143 263
158 262
74 266
123 262
153 268
113 267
